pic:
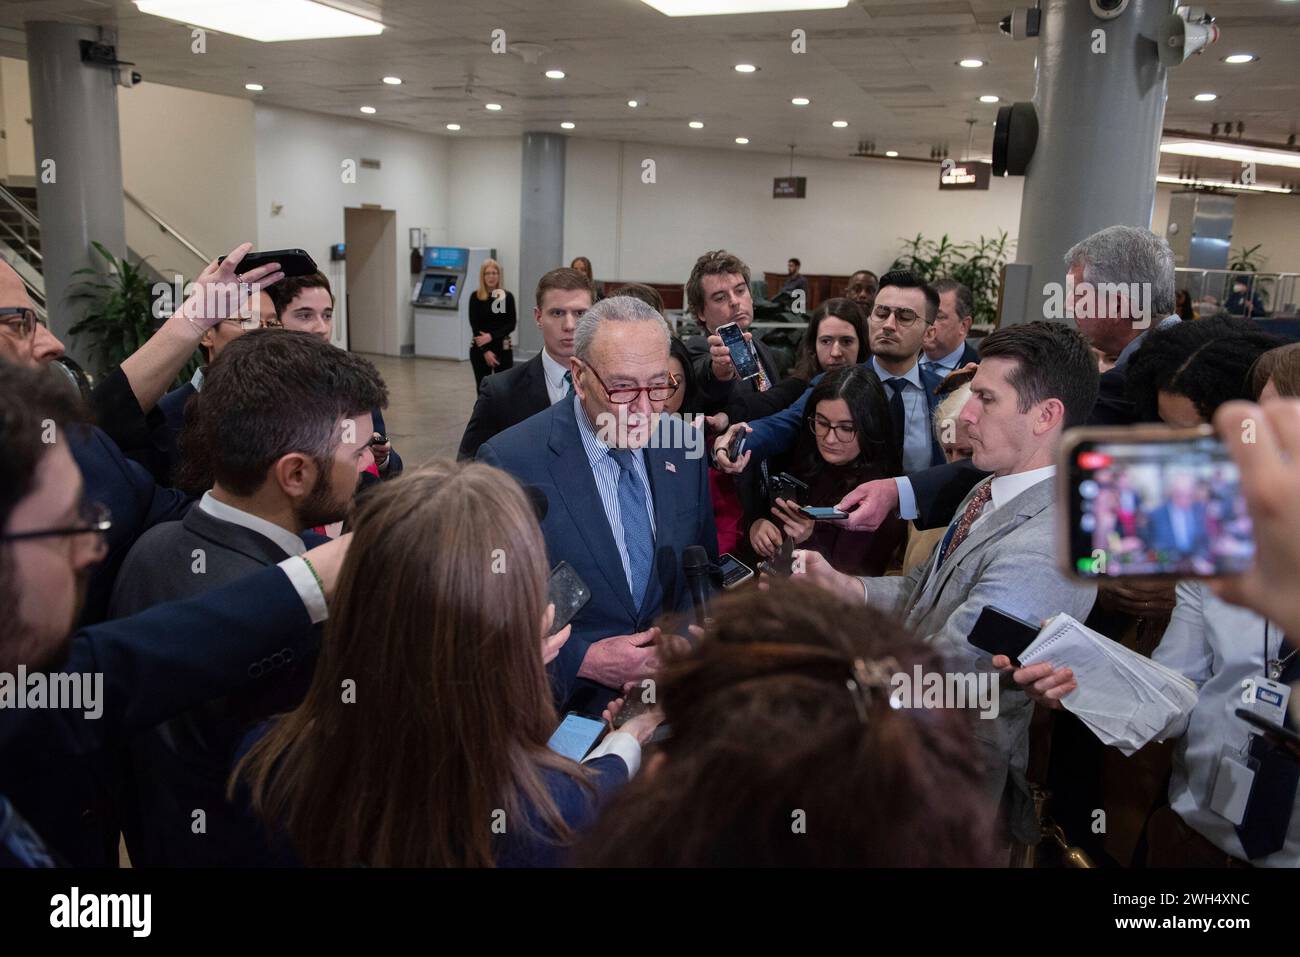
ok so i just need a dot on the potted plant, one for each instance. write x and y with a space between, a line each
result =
976 264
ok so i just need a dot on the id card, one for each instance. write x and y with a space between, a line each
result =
1232 787
1268 699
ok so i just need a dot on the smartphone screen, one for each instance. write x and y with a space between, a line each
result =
823 514
576 736
1156 507
1001 633
733 571
568 593
742 353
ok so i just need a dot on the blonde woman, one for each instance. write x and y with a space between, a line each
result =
492 321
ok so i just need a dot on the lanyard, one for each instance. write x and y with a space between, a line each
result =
1273 666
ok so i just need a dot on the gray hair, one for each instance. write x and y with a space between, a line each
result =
613 309
949 407
1128 254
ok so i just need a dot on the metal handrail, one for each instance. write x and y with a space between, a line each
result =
167 227
20 207
23 240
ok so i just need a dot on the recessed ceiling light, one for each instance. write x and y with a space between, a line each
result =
566 125
265 22
801 101
839 124
891 153
1205 97
988 98
453 127
1240 58
971 63
633 103
695 125
745 68
1233 153
393 80
493 106
368 109
254 87
555 74
742 140
704 8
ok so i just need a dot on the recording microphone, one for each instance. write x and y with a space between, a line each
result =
696 565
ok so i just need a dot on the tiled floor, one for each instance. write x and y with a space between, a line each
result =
429 402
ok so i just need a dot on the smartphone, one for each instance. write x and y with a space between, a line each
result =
786 486
1149 501
576 735
736 447
742 353
568 593
1001 633
782 564
823 514
293 262
1280 736
734 572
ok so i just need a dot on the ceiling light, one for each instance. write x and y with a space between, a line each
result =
633 103
265 22
988 98
695 125
801 101
1240 58
971 63
555 74
254 87
393 80
891 153
1235 154
368 109
839 124
566 125
706 8
742 140
745 68
1205 97
453 127
1223 184
493 106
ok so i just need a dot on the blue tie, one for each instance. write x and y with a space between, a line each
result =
638 537
567 382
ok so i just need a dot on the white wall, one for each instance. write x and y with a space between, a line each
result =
1274 221
20 159
854 216
300 160
483 206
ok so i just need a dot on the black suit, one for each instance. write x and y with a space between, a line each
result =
733 395
505 399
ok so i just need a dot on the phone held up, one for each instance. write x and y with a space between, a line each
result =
293 262
742 352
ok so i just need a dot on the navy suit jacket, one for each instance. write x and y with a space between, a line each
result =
504 400
546 451
1160 533
56 764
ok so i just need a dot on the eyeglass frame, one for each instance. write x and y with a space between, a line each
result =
672 387
832 427
27 316
896 312
99 520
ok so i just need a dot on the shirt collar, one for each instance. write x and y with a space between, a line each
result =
288 541
197 379
1127 352
912 375
1007 487
597 450
950 360
554 371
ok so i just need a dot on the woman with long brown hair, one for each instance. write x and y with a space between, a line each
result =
423 738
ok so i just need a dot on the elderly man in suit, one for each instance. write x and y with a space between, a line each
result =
627 492
508 398
1034 381
946 348
282 428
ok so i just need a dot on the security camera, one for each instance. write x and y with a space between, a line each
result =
129 78
1108 9
1021 23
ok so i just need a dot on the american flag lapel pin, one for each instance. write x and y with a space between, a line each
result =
670 467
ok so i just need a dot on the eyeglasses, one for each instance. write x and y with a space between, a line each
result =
21 318
625 395
904 317
821 427
95 518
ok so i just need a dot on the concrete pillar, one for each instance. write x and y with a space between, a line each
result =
541 227
1099 121
78 163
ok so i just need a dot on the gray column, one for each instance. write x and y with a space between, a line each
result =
1099 122
541 227
79 195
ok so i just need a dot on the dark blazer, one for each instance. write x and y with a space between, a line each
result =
55 764
183 764
546 451
135 500
504 400
715 396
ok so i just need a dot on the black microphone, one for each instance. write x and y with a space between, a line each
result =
696 565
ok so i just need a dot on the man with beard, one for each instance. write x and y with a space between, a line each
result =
281 429
55 761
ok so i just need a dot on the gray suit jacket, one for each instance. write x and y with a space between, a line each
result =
1010 561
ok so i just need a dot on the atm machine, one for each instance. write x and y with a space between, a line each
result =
440 299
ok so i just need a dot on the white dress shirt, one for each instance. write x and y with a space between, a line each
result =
916 415
554 372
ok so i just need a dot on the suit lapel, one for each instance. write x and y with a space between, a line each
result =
535 389
233 538
571 474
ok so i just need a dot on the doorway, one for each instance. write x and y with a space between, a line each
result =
371 283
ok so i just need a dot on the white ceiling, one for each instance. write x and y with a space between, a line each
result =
886 66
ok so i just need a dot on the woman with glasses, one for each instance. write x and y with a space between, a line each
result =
847 441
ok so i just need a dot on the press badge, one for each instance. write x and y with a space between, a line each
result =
1268 699
1232 787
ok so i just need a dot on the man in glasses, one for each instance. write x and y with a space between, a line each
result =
903 311
625 497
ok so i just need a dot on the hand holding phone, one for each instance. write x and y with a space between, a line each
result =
740 350
1001 633
824 514
293 262
568 593
576 735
